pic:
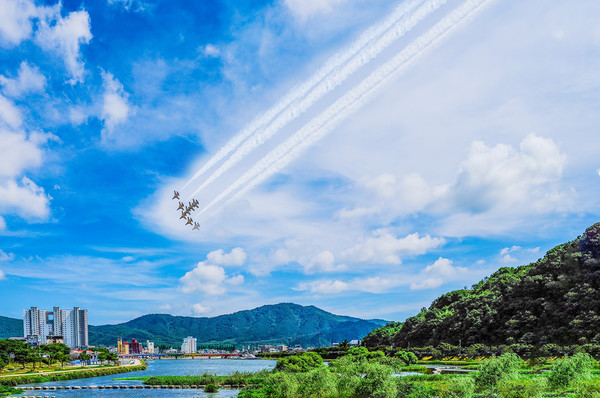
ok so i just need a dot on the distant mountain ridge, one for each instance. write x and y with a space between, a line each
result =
10 327
284 323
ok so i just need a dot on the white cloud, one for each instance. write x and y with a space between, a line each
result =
24 198
502 176
205 278
236 280
210 50
18 153
9 113
64 37
28 80
384 248
198 308
2 275
237 256
323 262
16 20
165 307
132 5
115 108
2 224
438 273
324 287
308 8
208 279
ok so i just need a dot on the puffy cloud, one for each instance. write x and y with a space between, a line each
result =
437 274
200 309
25 198
385 248
2 224
209 278
6 257
16 20
323 262
9 113
18 153
115 108
64 37
502 176
2 275
205 278
307 8
237 256
28 80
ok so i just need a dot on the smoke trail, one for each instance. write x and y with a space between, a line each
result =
345 106
331 66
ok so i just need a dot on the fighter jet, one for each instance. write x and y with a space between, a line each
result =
183 215
175 195
196 226
191 206
195 203
189 221
180 206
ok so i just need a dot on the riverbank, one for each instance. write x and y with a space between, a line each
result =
15 380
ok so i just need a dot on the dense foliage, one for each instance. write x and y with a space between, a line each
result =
10 327
271 324
552 301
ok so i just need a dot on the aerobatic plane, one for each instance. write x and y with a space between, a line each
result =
183 215
175 195
196 226
189 221
180 206
195 203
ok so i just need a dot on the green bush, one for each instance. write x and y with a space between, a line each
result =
587 389
376 381
493 370
407 357
318 383
300 363
567 370
460 387
281 385
211 388
522 388
412 389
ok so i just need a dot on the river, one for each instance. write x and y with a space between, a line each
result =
165 367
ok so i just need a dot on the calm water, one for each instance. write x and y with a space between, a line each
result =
180 367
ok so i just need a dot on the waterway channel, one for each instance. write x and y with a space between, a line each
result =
179 367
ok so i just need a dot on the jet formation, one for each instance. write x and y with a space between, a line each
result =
186 211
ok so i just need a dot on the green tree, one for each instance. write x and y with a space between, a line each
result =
493 370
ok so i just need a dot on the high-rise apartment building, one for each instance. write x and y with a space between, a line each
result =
150 346
71 325
189 345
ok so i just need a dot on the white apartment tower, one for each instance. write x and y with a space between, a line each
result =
72 325
189 345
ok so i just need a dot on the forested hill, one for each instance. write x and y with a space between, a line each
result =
10 327
271 324
554 300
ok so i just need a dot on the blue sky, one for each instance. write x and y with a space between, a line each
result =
379 153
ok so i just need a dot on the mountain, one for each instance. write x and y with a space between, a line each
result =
10 327
554 300
281 323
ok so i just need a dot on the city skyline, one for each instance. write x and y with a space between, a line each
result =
387 152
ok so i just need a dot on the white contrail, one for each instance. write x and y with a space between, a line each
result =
343 107
330 76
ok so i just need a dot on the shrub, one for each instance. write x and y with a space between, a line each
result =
567 370
318 383
407 357
460 387
300 363
211 388
377 381
411 389
522 388
281 385
495 369
587 389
